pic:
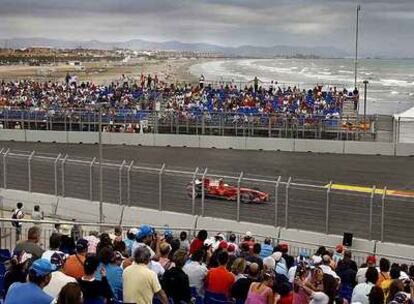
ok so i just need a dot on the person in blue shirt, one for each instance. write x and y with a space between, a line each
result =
129 240
32 291
266 249
113 271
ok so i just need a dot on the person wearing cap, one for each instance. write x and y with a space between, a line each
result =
59 279
141 283
129 240
249 241
143 238
113 271
362 290
338 255
17 271
31 245
232 241
67 242
371 262
74 265
32 291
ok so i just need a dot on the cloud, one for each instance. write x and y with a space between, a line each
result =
226 22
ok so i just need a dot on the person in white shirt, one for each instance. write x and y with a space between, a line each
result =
362 290
59 279
360 276
196 271
54 244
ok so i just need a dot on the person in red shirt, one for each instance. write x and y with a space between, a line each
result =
198 242
219 280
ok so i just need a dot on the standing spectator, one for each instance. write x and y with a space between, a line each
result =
261 292
31 245
175 280
184 243
232 241
129 240
346 270
248 242
113 271
54 244
326 295
255 256
196 271
92 289
376 296
71 293
144 239
338 255
198 242
93 241
37 215
241 287
384 278
201 81
362 290
59 279
67 243
141 283
266 248
32 291
105 241
219 280
74 265
17 215
238 268
165 262
17 271
371 262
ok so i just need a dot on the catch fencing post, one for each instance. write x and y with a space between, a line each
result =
371 205
63 175
384 194
287 203
5 168
120 181
328 202
29 169
160 187
193 193
203 192
129 183
91 178
238 195
56 173
277 198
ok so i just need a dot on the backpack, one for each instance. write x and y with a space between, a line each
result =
15 216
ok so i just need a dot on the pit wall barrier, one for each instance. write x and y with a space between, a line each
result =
66 208
218 142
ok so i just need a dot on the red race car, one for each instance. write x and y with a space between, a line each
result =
219 190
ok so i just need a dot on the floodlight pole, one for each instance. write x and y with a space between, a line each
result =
356 44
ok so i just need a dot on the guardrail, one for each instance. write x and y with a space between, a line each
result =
271 125
367 212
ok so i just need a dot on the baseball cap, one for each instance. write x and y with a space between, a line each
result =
339 248
231 248
58 259
168 233
223 245
248 234
283 246
42 267
65 229
81 245
133 231
208 242
144 231
220 235
371 259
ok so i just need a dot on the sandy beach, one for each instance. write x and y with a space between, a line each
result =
170 71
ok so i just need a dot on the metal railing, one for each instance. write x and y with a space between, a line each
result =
277 125
369 213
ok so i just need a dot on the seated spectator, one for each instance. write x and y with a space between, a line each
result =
326 266
261 292
266 249
362 290
339 253
196 271
71 293
58 279
255 256
281 267
384 279
93 290
17 271
54 245
74 265
232 241
198 242
396 286
238 268
219 280
241 287
31 245
32 291
141 283
326 295
93 241
113 272
175 280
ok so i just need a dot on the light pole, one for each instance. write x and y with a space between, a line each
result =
356 44
365 99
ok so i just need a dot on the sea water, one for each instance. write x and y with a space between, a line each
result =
390 89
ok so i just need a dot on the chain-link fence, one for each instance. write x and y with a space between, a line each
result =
370 213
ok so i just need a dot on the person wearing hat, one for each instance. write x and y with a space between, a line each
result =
17 271
371 262
143 238
32 291
59 279
129 240
31 245
67 243
74 265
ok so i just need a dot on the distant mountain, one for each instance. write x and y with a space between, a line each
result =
139 44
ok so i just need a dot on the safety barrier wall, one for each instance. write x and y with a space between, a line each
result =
219 142
87 212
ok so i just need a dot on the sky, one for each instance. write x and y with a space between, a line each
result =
386 26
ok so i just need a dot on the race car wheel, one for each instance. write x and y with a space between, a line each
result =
189 190
246 198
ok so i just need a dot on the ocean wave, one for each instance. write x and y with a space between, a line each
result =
396 82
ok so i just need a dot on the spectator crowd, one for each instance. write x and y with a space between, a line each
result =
148 266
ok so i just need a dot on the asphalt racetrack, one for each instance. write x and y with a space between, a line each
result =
348 211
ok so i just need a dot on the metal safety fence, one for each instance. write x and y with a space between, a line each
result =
367 212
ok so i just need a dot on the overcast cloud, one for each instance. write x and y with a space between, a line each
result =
387 26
